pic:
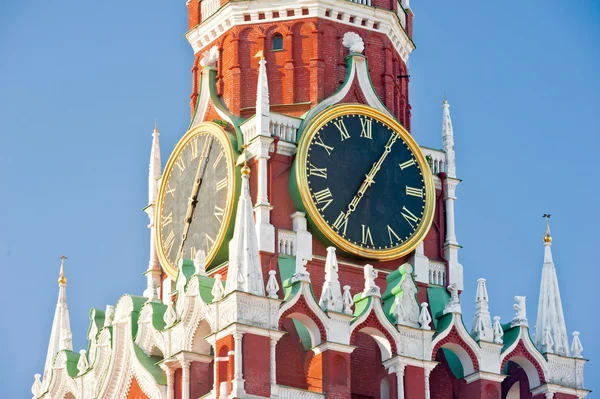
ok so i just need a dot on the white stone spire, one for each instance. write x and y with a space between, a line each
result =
482 326
448 140
245 272
61 326
262 98
153 272
550 312
331 295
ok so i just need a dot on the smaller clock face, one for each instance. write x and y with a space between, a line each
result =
367 185
195 198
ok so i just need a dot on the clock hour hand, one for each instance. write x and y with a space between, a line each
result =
370 177
193 200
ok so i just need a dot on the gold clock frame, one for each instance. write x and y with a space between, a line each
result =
221 135
330 234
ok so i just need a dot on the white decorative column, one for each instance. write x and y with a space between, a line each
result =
303 239
549 395
421 264
238 378
273 366
427 393
185 379
169 372
265 231
400 380
451 246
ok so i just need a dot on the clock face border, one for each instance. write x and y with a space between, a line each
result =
314 216
226 227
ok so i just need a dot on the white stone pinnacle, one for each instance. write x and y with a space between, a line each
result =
272 285
36 388
331 295
576 347
448 140
262 98
482 326
153 272
424 317
550 312
245 271
60 336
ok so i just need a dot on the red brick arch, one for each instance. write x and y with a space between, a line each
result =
521 351
455 338
373 322
302 307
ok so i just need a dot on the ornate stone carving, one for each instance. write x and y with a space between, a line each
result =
498 332
520 318
272 285
218 290
371 289
353 42
576 347
453 306
348 301
82 364
210 57
200 263
424 317
36 388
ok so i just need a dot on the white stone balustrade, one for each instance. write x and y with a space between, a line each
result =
295 393
437 273
438 159
286 241
209 7
282 126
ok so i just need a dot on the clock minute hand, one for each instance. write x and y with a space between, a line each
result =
369 177
194 196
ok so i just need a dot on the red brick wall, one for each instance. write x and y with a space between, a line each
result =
177 383
290 358
414 382
366 368
310 68
201 379
256 356
442 380
135 392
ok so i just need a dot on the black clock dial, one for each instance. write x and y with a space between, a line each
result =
366 182
195 198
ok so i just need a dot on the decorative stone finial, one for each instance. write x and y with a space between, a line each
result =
82 364
272 285
200 262
403 289
154 293
371 289
217 290
498 331
109 316
520 318
399 311
36 388
62 280
453 306
170 315
482 326
348 301
301 274
576 347
548 341
353 42
331 295
424 317
210 57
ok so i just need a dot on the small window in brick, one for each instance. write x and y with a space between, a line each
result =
276 42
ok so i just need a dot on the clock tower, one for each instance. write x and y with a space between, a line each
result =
303 243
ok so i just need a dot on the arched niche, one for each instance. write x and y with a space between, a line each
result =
199 343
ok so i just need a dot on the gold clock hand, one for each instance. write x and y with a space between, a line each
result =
193 200
370 177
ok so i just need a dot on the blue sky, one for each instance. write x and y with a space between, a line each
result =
81 84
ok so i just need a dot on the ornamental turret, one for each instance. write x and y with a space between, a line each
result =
550 328
60 337
482 326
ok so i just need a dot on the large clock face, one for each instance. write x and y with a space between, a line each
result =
364 182
195 197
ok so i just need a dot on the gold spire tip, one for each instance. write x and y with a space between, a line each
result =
547 236
245 168
61 278
155 126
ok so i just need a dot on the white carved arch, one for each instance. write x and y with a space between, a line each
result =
124 364
524 363
460 352
384 344
148 338
61 383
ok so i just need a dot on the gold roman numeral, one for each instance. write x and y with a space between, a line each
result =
367 239
406 164
166 220
219 213
341 222
319 172
343 130
324 197
367 128
168 243
221 184
180 164
194 147
209 242
392 232
415 192
409 216
217 160
319 141
171 190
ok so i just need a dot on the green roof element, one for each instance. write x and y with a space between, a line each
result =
205 286
150 364
362 304
138 302
158 313
394 290
72 360
438 298
454 363
511 335
442 323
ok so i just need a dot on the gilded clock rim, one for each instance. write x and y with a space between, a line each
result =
220 134
302 177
